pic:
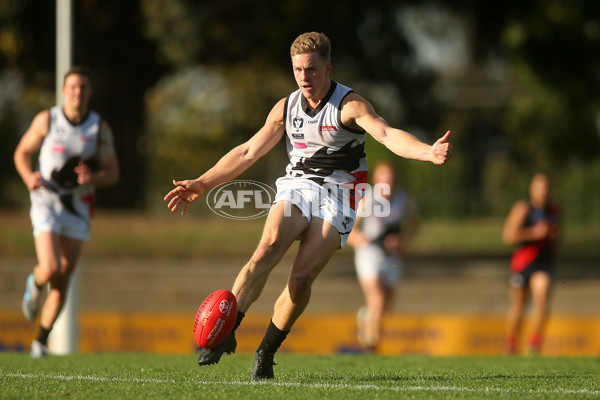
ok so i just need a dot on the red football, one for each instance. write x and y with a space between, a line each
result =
215 318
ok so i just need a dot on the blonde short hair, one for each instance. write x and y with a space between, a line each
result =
312 42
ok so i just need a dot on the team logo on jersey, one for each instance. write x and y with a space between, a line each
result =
298 123
299 136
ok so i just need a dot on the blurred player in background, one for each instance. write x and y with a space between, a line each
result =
76 154
534 225
386 222
325 123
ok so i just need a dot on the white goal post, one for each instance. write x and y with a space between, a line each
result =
64 335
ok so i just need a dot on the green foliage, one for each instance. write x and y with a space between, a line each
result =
577 190
516 82
504 184
537 124
176 27
197 114
18 105
188 115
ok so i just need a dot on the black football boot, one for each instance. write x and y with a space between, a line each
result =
263 365
212 356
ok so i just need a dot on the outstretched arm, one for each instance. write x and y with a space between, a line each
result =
232 164
357 111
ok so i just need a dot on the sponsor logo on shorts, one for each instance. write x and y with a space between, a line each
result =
241 199
299 136
299 145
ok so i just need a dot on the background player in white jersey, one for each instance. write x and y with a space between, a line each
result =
76 154
325 124
386 222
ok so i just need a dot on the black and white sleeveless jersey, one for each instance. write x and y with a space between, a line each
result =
64 147
376 226
320 148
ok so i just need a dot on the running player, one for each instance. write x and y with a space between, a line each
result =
76 155
325 124
534 225
386 222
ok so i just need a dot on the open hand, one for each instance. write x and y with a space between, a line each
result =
184 194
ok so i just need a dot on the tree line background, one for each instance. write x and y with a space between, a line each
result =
182 81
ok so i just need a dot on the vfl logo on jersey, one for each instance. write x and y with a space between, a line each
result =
298 123
299 136
298 145
328 128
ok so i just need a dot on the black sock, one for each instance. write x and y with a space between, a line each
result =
273 339
43 335
238 320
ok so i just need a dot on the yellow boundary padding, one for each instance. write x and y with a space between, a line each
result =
433 334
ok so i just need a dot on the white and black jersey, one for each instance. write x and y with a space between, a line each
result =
62 205
376 228
65 146
320 148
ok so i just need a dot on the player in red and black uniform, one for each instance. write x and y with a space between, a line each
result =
534 225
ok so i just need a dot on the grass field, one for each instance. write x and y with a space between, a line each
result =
151 376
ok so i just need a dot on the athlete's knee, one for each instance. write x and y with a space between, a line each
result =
269 250
47 270
299 285
60 282
540 281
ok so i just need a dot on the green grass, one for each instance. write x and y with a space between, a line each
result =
151 376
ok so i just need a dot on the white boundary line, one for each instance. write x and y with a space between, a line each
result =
309 385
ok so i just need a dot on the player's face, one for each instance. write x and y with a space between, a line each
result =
77 91
539 188
384 175
312 75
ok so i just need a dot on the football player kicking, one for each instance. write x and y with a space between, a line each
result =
325 123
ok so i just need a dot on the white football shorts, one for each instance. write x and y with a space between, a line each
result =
373 262
48 214
329 203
